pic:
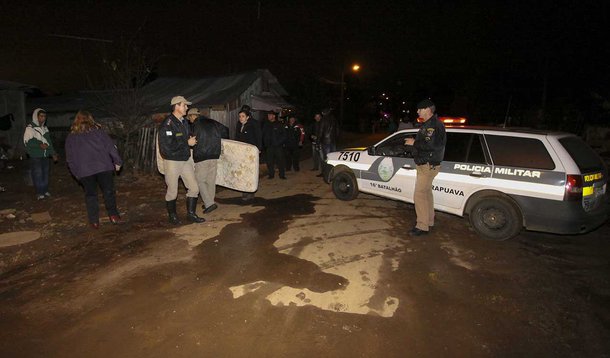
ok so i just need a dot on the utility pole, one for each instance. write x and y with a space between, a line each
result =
342 84
354 68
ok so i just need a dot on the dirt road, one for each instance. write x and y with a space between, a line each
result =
294 272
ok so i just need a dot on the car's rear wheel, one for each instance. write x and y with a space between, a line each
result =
345 186
496 218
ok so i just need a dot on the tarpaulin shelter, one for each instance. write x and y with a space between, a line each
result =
222 96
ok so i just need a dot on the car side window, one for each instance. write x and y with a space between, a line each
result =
395 146
464 147
475 153
519 152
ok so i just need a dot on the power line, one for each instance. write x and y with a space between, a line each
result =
80 38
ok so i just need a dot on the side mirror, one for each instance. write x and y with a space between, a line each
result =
371 150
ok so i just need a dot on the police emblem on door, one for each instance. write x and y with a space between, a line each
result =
386 169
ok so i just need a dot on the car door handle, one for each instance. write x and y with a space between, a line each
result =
476 174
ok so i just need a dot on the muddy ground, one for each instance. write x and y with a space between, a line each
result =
295 272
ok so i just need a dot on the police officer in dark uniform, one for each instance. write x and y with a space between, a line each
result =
295 134
274 139
174 146
429 150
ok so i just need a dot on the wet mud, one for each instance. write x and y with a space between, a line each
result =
245 283
244 251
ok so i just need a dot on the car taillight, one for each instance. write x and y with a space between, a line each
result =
573 187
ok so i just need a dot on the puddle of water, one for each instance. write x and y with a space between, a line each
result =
294 259
18 238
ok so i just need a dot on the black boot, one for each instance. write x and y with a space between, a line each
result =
171 211
191 206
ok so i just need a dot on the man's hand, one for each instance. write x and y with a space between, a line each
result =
192 141
44 146
55 158
409 141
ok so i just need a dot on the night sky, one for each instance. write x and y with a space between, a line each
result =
475 49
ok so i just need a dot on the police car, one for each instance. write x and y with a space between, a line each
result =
504 180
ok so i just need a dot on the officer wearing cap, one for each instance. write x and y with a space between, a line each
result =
428 153
175 141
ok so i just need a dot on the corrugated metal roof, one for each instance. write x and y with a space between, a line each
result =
202 92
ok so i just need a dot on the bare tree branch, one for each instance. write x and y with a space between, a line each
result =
124 70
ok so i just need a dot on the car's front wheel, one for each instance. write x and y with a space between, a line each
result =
345 186
496 218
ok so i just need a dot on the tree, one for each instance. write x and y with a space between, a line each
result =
124 69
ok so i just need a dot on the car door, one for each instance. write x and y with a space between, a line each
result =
392 174
523 165
466 167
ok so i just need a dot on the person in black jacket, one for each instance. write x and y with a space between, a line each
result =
327 134
248 131
206 152
429 145
174 146
316 147
274 139
294 143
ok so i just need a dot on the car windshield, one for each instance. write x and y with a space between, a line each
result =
585 157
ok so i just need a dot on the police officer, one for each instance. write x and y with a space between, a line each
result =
294 143
274 140
175 141
429 149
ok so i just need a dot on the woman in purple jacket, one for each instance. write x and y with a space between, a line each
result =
92 158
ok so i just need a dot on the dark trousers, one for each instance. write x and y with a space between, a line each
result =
293 156
39 170
275 155
315 155
327 148
106 183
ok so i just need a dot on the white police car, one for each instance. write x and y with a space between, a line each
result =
504 180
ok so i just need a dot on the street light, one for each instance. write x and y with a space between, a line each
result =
355 68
